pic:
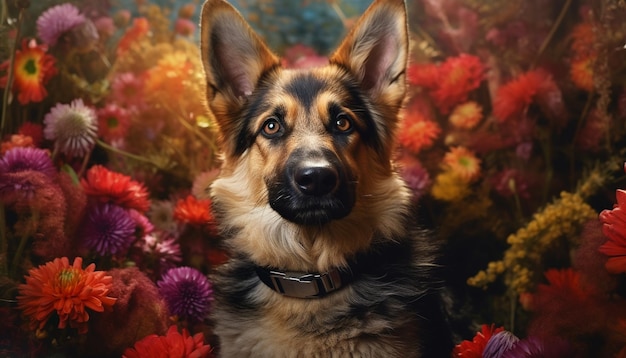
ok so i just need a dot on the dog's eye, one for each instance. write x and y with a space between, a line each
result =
271 127
343 123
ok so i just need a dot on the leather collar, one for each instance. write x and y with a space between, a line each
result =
306 284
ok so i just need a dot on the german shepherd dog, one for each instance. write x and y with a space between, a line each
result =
325 259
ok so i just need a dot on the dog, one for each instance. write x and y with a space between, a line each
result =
326 260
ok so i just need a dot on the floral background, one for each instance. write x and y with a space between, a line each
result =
513 141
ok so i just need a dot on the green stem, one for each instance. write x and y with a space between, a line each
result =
17 258
125 153
9 85
555 27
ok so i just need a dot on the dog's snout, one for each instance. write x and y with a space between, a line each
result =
316 180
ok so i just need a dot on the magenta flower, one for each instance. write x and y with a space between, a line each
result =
19 159
73 127
187 292
56 21
158 252
108 229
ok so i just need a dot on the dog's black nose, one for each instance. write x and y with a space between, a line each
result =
316 180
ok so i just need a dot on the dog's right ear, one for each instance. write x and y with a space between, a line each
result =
233 56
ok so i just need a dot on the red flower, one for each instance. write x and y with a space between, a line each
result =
139 29
475 347
106 185
193 211
173 344
32 69
614 228
66 290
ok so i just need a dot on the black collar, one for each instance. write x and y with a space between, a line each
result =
306 284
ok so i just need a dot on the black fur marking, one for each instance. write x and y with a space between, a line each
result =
305 88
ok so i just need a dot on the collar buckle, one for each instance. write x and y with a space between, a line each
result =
303 284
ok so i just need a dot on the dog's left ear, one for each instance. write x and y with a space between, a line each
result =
376 51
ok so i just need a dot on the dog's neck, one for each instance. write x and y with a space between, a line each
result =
306 284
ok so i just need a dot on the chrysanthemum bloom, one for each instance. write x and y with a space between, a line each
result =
499 343
463 162
423 75
108 229
581 72
113 122
143 224
193 211
68 291
16 141
458 76
106 185
32 70
21 159
449 186
73 128
614 228
187 291
475 347
58 20
514 97
466 115
173 344
33 130
159 252
184 27
139 29
127 90
417 132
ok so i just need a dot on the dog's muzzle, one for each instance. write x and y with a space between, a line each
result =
312 189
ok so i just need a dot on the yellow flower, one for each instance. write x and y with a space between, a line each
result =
466 115
449 186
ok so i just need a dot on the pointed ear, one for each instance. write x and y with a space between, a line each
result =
376 50
233 56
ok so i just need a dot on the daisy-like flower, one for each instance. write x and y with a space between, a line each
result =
108 229
113 122
581 72
68 291
139 29
458 76
109 186
187 291
449 186
463 162
193 211
73 128
127 90
614 228
58 20
159 250
32 70
475 347
173 344
417 132
20 159
499 344
466 115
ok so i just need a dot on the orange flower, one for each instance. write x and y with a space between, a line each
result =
66 290
106 185
140 28
168 77
193 211
32 69
16 140
581 72
463 163
417 132
466 115
458 76
514 97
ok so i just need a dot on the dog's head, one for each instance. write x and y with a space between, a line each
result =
307 153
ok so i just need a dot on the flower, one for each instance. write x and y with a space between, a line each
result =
466 115
160 251
20 159
127 90
416 177
108 229
187 292
458 76
139 29
614 228
184 27
499 343
581 72
113 122
173 344
193 211
58 20
475 347
32 130
105 185
33 68
72 127
15 141
511 182
417 132
68 291
463 162
535 347
449 186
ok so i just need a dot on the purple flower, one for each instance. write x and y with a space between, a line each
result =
108 229
73 127
160 251
187 292
535 347
56 21
416 178
499 344
19 159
